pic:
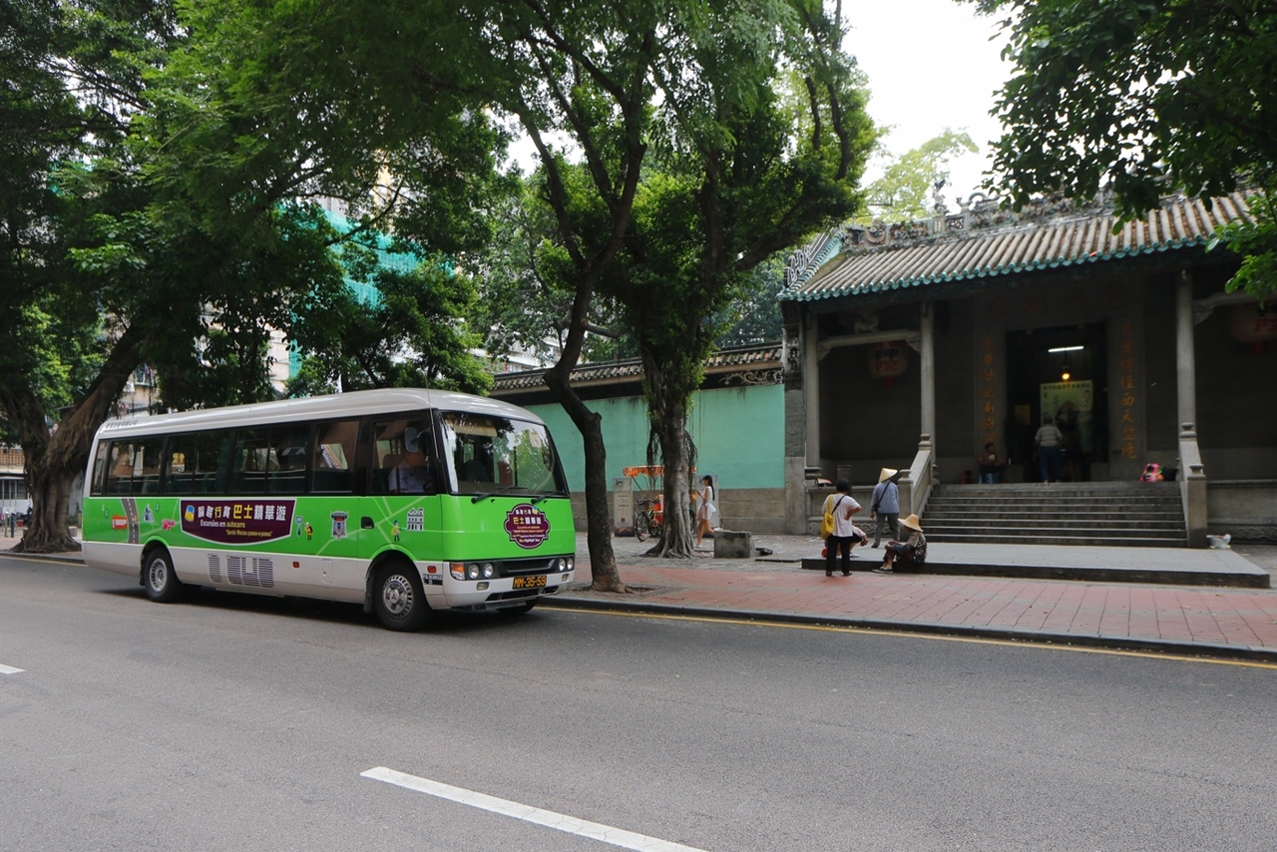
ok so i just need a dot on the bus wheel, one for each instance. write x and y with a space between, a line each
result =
398 599
159 577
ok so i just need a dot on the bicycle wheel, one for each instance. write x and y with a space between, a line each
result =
641 526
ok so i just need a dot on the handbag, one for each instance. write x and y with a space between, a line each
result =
827 522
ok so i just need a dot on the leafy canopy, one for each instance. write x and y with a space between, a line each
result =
1149 97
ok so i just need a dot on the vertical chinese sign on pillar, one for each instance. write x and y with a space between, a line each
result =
1126 387
988 392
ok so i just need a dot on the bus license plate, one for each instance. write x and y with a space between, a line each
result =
534 582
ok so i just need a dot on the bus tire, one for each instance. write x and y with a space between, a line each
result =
398 597
159 578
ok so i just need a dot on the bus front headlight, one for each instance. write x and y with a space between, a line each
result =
489 570
472 571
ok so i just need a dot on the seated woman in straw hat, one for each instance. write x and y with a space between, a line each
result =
912 552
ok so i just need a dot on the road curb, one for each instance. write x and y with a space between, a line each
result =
1121 643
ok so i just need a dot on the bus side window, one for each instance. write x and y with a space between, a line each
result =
249 460
193 463
148 467
334 458
120 470
290 446
98 483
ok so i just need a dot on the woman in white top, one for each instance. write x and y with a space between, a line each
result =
843 505
704 510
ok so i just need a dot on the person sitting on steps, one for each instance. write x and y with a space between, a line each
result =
912 552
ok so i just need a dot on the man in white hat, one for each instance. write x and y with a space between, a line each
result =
885 505
913 551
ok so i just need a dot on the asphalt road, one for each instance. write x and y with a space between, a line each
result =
247 723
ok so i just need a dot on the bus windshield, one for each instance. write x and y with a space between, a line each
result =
486 454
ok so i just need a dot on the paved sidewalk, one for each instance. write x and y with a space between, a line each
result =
1210 621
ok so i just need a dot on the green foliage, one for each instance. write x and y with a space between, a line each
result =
903 193
412 335
754 315
1147 97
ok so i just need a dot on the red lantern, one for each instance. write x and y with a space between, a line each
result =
1252 324
888 360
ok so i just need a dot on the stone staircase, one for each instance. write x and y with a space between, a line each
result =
1136 514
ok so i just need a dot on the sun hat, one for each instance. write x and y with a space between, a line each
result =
886 474
913 522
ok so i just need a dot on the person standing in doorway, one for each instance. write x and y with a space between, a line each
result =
884 507
1048 441
843 506
705 510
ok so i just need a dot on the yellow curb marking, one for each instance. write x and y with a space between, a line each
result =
1012 643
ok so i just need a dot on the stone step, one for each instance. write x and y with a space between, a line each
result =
1107 488
940 502
1047 523
977 511
1098 518
1061 538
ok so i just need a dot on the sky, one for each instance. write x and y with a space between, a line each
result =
931 66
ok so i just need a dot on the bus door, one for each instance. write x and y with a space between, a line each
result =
403 506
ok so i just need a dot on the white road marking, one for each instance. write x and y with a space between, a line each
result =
8 669
550 819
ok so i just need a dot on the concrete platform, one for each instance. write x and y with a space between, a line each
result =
1157 565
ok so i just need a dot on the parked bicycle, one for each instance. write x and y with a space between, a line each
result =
649 519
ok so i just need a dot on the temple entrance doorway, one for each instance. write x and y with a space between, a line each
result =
1059 372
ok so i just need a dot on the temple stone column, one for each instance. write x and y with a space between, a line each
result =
927 371
811 390
1185 359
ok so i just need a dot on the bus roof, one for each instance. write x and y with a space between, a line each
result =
352 404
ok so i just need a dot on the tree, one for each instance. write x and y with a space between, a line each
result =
754 315
74 75
740 174
1149 98
171 217
903 192
410 333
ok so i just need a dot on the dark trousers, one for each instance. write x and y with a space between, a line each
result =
892 520
834 544
1050 463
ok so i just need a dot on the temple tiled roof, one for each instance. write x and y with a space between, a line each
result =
849 263
742 360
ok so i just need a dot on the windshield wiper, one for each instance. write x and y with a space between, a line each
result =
505 489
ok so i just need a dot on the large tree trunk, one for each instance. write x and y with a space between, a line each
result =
668 411
54 457
606 578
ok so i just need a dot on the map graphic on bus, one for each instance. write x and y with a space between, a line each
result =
238 521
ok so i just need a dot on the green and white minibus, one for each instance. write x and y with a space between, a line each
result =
408 501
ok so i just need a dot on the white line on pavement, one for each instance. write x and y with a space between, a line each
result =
550 819
8 669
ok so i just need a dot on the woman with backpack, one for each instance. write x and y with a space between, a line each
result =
842 505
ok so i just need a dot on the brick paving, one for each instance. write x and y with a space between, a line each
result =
1185 619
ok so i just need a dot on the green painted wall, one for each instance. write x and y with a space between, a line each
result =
739 435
